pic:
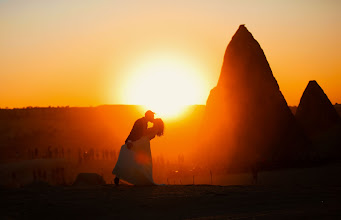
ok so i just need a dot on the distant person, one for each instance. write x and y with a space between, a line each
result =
36 153
134 164
97 155
62 173
44 175
79 155
254 171
91 154
49 152
255 168
68 151
14 177
34 176
85 155
56 152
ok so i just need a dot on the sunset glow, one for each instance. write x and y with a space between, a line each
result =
165 84
184 109
87 53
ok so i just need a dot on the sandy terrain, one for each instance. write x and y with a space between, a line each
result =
171 202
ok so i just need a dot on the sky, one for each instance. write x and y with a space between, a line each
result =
88 53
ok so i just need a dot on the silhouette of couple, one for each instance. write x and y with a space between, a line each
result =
134 163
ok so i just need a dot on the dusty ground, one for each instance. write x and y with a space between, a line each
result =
171 202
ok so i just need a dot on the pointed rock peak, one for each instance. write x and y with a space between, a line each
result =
313 83
314 94
315 111
242 32
314 89
245 62
242 28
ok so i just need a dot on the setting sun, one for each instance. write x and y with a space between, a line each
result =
165 85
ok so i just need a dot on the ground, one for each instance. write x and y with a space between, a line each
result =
171 202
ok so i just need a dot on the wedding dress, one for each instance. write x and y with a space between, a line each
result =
135 165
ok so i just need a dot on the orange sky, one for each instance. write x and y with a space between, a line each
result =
83 53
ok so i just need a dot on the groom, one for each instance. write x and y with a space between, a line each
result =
139 129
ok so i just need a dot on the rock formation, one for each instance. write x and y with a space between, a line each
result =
247 119
315 113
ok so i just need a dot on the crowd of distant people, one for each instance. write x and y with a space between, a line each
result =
171 172
83 154
55 176
58 175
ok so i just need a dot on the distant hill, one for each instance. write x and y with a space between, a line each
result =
336 106
22 131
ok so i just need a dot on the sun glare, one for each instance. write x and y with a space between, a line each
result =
165 86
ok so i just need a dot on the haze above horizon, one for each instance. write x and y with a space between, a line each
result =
84 53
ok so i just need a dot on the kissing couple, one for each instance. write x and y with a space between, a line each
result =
134 163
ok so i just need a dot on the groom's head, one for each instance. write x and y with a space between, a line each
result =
149 115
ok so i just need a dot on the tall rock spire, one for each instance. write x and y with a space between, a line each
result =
247 119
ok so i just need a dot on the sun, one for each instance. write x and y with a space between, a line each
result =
165 85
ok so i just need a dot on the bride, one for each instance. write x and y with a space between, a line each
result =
134 165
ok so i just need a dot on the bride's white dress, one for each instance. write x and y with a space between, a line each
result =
135 165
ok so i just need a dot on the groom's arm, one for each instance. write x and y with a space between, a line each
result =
135 134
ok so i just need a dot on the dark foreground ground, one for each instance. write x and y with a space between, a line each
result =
171 202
